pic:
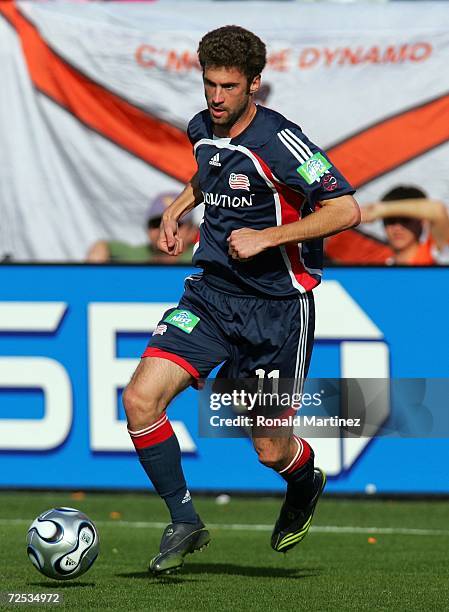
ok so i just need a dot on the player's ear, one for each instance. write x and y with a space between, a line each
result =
255 84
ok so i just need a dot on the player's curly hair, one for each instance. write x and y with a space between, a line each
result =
233 47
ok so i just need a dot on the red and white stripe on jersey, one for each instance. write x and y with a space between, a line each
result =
198 238
158 432
288 210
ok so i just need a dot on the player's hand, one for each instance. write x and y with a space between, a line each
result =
169 240
245 243
371 213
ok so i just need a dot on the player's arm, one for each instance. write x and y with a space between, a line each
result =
299 164
169 240
333 216
424 209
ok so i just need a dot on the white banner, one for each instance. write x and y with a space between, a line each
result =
95 99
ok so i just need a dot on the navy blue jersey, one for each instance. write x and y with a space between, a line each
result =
269 175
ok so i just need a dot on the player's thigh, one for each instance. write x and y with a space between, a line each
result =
153 385
159 377
189 334
277 365
277 344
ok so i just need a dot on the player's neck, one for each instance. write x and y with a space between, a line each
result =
239 126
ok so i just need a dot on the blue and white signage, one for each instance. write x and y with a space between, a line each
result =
71 336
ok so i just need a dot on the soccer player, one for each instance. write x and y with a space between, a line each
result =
270 197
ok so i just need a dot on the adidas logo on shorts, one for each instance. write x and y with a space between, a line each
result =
215 160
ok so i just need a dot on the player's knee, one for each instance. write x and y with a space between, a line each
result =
142 409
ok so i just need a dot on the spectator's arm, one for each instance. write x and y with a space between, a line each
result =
432 211
99 252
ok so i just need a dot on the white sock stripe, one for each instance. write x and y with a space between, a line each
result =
138 431
296 144
301 143
149 430
293 151
299 443
141 432
153 427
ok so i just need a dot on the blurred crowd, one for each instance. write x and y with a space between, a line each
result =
110 251
412 229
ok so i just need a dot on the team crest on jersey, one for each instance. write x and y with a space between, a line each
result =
239 181
314 168
329 182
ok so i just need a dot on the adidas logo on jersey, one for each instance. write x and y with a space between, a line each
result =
215 160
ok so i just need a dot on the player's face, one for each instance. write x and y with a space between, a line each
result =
228 94
402 233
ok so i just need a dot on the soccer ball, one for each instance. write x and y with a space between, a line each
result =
62 543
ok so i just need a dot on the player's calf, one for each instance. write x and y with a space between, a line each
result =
151 389
274 452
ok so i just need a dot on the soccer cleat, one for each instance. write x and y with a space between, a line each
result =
178 540
293 525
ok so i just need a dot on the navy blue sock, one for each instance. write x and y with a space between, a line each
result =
160 455
299 475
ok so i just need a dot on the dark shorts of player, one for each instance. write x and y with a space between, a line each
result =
250 336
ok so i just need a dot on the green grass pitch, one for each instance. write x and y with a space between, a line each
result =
336 568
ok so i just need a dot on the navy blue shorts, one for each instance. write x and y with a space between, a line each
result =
245 334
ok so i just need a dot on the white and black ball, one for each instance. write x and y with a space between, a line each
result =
62 543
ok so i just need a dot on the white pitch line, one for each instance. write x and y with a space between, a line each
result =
244 527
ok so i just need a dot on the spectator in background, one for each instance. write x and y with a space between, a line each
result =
417 227
105 251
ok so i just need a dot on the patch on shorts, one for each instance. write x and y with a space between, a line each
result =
184 319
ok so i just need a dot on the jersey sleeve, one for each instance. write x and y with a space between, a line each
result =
197 128
191 132
301 165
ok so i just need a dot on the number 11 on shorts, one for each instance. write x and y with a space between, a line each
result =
274 374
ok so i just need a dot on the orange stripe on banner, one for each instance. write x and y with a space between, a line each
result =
154 141
393 142
362 157
377 150
351 247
